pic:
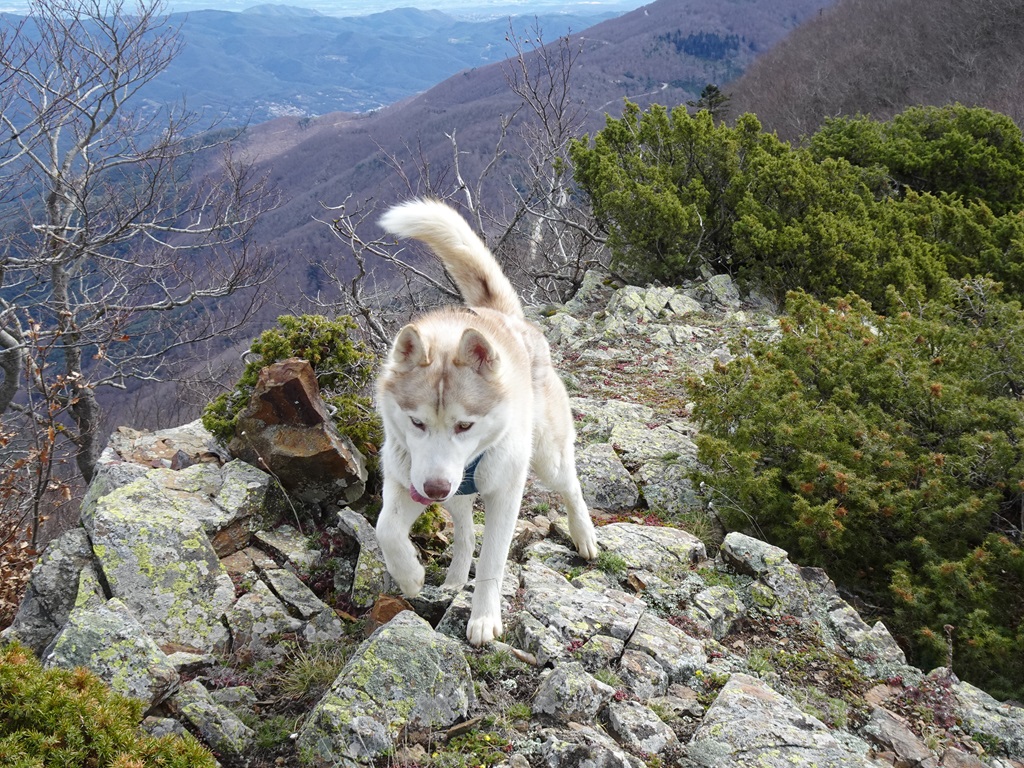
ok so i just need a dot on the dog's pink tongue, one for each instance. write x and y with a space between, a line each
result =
418 497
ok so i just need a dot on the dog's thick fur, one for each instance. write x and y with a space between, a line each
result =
462 383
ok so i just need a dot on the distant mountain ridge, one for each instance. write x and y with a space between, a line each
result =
633 56
275 60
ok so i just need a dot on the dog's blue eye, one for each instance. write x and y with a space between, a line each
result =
416 423
463 426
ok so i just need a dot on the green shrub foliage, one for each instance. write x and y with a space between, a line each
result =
344 370
933 193
969 153
890 451
664 184
70 719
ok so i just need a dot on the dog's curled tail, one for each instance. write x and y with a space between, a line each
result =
473 267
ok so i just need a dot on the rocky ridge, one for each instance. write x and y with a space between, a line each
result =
190 587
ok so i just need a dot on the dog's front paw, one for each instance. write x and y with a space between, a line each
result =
483 630
586 544
410 578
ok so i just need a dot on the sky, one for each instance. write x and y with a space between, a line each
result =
458 8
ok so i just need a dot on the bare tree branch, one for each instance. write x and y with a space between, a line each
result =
119 245
539 228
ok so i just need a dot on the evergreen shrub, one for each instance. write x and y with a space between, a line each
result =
888 450
344 369
933 193
970 153
58 718
666 184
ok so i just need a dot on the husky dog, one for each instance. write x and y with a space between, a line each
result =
470 403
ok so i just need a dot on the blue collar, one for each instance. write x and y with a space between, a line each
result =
468 486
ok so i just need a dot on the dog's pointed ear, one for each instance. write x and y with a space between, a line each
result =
477 352
409 351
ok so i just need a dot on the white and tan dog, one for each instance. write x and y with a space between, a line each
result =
470 403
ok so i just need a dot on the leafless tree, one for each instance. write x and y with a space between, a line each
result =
117 243
380 299
561 241
539 228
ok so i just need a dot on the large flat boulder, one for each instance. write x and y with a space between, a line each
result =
156 557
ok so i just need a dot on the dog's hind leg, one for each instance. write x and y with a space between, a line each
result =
555 465
461 509
398 514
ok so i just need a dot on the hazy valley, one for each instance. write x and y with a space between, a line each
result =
273 60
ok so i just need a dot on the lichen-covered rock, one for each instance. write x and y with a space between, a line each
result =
595 286
667 487
954 758
667 552
634 304
891 734
681 305
580 746
983 715
751 725
791 596
245 566
371 576
596 418
221 729
606 483
175 448
718 607
721 290
431 603
751 556
259 620
600 652
643 676
290 546
240 699
561 327
112 472
404 675
557 617
225 499
678 654
157 559
324 627
293 593
873 646
569 693
52 591
787 592
680 701
158 727
637 726
638 442
109 641
558 556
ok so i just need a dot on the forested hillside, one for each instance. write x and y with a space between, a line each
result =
272 60
665 52
879 56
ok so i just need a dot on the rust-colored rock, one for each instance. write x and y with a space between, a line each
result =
384 610
286 430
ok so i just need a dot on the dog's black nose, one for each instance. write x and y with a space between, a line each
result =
437 489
